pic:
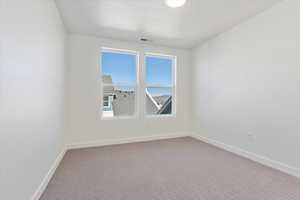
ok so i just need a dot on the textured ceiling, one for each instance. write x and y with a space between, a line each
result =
182 27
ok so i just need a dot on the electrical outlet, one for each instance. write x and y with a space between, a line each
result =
250 136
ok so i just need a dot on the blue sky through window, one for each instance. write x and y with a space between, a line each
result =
122 69
158 71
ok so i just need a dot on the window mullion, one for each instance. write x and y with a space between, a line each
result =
142 80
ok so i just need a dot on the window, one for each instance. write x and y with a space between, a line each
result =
119 83
160 85
120 90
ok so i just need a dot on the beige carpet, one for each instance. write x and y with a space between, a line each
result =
174 169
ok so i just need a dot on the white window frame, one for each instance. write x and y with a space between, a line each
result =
134 86
172 86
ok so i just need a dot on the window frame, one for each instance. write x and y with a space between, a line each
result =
172 86
135 86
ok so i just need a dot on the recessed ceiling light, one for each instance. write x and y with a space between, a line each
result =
175 3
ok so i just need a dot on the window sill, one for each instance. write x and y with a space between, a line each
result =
160 116
119 118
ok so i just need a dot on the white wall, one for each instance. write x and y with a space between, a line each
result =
85 90
248 80
32 94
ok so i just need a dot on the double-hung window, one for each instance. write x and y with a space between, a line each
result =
120 90
119 83
160 84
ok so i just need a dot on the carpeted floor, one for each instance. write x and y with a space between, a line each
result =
174 169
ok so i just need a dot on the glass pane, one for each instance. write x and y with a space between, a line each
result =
118 68
118 101
158 71
159 101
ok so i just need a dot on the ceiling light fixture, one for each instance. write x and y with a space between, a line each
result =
175 3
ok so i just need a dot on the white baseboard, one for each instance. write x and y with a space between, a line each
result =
37 195
252 156
257 158
125 140
56 163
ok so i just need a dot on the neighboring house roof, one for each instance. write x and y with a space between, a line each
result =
167 107
148 95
